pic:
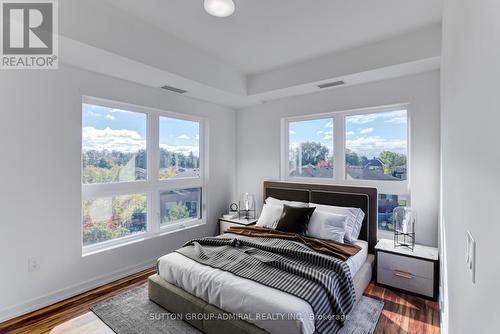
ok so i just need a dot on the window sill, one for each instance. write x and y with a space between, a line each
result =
130 240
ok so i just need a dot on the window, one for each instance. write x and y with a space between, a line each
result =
179 148
367 147
114 145
386 205
108 218
376 146
310 145
180 205
132 188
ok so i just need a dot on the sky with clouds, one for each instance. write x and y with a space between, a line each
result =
119 130
366 134
315 130
180 136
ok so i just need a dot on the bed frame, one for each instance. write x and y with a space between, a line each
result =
179 301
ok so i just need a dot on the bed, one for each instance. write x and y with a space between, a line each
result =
207 297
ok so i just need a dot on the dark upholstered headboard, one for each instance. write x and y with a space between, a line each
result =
358 197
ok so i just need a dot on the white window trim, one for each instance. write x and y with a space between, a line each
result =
384 187
152 186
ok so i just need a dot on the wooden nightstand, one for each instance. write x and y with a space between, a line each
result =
401 269
226 223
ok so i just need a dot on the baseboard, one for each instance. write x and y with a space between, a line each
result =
57 296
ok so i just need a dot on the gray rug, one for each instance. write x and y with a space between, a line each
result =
132 312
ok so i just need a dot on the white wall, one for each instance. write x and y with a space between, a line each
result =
258 132
40 187
471 161
414 46
121 33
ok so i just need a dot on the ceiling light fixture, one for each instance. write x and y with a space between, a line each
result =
219 8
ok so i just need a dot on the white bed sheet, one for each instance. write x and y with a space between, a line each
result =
355 262
242 296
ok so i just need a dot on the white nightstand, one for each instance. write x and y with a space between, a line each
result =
224 223
399 268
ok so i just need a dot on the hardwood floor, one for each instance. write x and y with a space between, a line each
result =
402 313
70 310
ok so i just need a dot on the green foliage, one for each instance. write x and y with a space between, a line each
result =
128 215
108 159
312 153
168 159
124 207
106 166
102 232
177 212
93 174
352 158
97 233
363 160
392 160
114 166
167 173
120 232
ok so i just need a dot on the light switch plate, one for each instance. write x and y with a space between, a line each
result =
471 256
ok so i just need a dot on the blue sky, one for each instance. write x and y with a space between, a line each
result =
366 134
113 129
316 130
179 135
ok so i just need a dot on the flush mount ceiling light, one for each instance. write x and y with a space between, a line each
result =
219 8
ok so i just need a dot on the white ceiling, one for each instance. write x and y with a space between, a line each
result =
268 34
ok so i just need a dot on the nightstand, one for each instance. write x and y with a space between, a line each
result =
401 269
224 223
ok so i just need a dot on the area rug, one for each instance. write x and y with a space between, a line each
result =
132 312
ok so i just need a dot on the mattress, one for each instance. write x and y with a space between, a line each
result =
273 310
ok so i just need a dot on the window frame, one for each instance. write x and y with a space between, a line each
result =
339 141
152 186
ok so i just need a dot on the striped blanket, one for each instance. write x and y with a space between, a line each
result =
322 281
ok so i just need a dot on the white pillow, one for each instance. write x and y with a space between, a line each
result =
270 215
359 223
327 225
353 215
274 201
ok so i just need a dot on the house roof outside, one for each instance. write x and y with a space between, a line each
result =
358 173
374 163
313 171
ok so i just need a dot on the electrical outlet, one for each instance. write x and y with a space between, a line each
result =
33 264
471 257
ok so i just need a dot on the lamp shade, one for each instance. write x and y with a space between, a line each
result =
247 202
404 227
404 219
